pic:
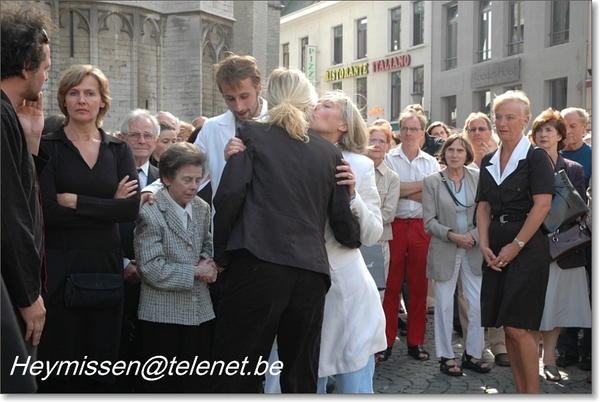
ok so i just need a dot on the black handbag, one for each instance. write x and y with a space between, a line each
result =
93 290
567 204
568 240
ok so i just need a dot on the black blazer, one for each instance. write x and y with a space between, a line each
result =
275 198
126 228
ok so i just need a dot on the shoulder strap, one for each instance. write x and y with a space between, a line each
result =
456 201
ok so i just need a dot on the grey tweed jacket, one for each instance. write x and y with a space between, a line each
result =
166 256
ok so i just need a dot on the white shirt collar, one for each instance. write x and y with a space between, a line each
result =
519 153
182 213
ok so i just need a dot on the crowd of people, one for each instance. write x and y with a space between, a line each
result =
236 238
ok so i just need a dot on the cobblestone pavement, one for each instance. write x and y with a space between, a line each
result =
401 374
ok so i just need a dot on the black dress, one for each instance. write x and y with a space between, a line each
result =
515 296
88 238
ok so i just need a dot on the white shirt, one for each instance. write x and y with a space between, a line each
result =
410 171
520 152
143 174
183 213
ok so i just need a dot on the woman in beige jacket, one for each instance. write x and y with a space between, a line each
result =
448 208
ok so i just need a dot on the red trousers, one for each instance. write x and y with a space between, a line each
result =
408 252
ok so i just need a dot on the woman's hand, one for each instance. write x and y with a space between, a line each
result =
507 254
490 257
234 145
206 271
126 189
68 200
347 176
465 241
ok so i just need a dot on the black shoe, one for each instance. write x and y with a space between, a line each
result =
385 354
585 363
565 360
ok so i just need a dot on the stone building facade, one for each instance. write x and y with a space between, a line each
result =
160 55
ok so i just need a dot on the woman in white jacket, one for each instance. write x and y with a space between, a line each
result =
353 322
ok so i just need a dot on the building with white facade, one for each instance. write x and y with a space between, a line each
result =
450 56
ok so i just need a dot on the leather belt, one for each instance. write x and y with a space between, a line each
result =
505 218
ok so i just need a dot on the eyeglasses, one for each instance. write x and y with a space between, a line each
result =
475 129
413 130
135 135
375 141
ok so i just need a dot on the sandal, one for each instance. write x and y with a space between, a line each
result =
468 363
552 373
447 368
417 352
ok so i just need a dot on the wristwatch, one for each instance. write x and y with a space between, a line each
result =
520 243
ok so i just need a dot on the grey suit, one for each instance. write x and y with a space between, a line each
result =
166 256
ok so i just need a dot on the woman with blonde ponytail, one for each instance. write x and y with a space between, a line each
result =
272 205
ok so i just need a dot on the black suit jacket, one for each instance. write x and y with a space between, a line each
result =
126 228
275 198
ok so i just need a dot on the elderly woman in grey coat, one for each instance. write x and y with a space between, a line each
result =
173 246
448 208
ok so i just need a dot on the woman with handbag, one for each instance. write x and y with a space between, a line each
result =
448 208
567 303
86 192
514 194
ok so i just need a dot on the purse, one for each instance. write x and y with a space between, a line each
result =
569 240
567 204
90 290
93 290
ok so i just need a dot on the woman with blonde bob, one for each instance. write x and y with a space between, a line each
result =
272 206
516 185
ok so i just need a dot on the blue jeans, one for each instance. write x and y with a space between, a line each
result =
357 382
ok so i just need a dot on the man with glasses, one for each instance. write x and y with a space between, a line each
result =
140 129
410 243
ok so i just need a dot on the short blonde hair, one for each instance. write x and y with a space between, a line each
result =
73 77
516 96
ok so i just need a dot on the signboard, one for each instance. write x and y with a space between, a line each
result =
347 72
311 63
488 74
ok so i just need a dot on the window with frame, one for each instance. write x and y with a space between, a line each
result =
450 102
418 22
303 44
395 15
338 42
485 99
560 23
361 38
452 37
418 81
558 93
396 97
485 31
361 96
285 55
337 86
517 27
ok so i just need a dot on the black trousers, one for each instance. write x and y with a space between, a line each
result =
262 300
